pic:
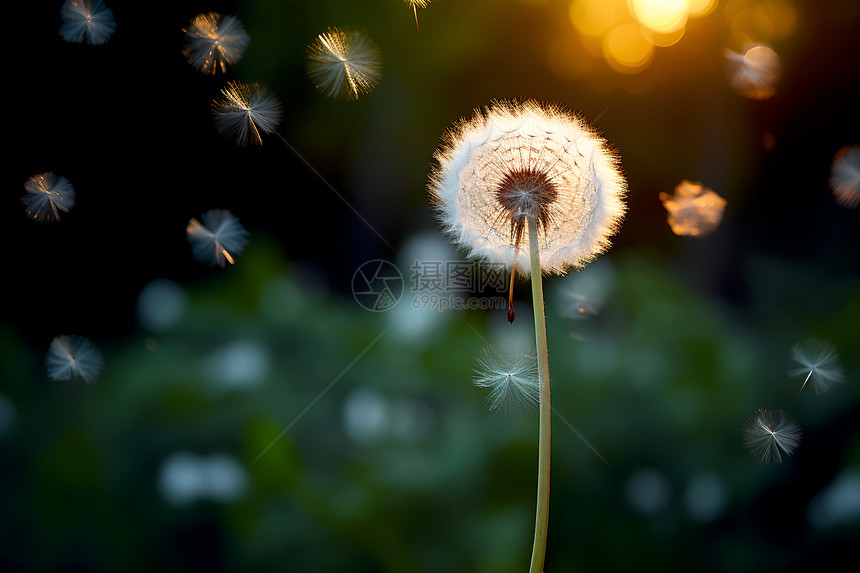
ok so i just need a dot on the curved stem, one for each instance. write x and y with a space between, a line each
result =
542 511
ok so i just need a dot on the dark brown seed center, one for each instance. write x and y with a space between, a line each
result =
526 194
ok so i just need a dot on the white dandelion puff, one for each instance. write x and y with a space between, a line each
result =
245 112
87 21
755 73
819 363
770 431
214 42
218 239
344 63
415 4
693 210
47 194
512 162
845 176
511 377
73 356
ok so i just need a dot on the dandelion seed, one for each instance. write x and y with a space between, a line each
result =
819 364
86 21
512 378
344 63
755 73
415 4
214 42
770 431
218 239
694 210
845 176
246 110
48 194
73 356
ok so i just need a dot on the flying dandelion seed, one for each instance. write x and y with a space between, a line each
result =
48 194
511 377
415 4
770 431
694 210
218 239
73 356
845 176
819 364
245 112
87 21
214 42
755 73
344 63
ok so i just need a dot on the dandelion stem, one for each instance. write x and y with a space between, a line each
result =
542 511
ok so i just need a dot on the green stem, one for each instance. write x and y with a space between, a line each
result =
542 511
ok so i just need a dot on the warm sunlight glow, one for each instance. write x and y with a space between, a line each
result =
662 16
596 17
699 8
626 49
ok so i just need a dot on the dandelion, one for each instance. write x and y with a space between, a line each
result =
344 63
693 210
214 41
819 363
511 377
218 239
73 356
533 180
845 176
415 4
86 21
47 194
246 110
755 73
770 431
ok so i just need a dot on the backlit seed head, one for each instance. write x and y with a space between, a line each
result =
512 162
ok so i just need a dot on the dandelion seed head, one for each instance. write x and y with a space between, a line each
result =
693 210
47 194
214 42
755 73
70 356
819 364
87 21
845 176
770 432
245 112
217 239
512 378
511 162
344 63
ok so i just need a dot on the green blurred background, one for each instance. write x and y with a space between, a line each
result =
259 418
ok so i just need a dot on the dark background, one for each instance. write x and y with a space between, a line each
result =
705 326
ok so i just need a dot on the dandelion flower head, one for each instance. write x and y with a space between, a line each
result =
48 194
87 21
214 42
769 432
845 176
245 112
73 356
693 210
344 63
217 238
513 162
511 377
819 363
